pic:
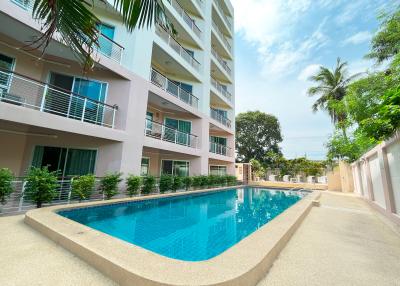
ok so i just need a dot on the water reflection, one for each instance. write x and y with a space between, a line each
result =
192 228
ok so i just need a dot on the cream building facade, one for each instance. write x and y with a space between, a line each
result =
152 104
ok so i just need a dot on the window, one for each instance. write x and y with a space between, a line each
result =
6 64
218 170
185 128
219 146
62 104
105 43
68 161
222 113
144 169
176 168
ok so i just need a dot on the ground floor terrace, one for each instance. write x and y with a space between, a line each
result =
341 242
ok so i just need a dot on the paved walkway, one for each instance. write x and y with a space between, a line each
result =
343 242
340 243
29 258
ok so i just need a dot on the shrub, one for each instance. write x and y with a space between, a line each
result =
197 182
177 184
82 187
149 183
133 184
203 181
109 184
221 180
41 185
187 182
6 188
165 183
231 180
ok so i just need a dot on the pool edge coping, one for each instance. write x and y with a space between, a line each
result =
245 263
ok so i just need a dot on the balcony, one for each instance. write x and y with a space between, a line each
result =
186 18
164 133
170 41
23 91
107 47
220 149
221 11
220 118
226 94
166 84
221 61
222 37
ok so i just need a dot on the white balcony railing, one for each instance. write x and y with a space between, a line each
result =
163 34
220 149
23 91
220 118
185 16
200 3
110 49
221 61
162 132
107 47
222 36
221 89
166 84
221 10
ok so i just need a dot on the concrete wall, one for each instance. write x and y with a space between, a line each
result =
377 177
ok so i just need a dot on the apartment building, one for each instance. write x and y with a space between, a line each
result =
153 103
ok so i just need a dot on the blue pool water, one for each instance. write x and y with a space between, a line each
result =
191 227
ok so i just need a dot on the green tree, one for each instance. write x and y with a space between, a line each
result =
41 186
187 181
109 184
256 134
177 183
386 43
256 167
76 23
133 184
82 187
6 187
331 87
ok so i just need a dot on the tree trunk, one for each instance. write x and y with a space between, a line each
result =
38 204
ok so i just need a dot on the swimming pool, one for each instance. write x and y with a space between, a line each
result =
192 227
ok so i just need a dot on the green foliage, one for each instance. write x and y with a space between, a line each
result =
231 180
197 181
82 187
187 182
256 167
256 134
166 182
76 23
133 184
386 43
177 183
203 181
6 188
41 185
149 184
109 184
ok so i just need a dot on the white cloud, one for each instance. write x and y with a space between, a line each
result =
308 71
269 25
358 38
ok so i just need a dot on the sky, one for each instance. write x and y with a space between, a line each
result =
279 44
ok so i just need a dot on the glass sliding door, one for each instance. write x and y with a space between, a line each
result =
184 128
6 67
218 170
176 168
58 98
66 161
145 166
220 145
105 41
95 90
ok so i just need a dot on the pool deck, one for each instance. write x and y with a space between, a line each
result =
342 242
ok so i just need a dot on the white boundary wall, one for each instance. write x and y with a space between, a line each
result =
377 177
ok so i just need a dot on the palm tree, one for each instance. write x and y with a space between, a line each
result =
331 86
76 26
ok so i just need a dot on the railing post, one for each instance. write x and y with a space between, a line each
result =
42 103
176 135
187 140
84 109
113 119
21 199
70 190
162 132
